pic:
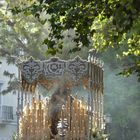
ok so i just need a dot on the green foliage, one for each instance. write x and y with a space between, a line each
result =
131 53
81 15
20 32
14 137
100 24
97 135
13 83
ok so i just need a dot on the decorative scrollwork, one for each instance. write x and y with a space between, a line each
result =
31 70
77 67
54 67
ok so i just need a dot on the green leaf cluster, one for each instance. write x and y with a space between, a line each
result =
99 24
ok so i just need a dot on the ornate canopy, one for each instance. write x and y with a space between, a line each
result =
81 116
48 71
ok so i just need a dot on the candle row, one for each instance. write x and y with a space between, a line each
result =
35 121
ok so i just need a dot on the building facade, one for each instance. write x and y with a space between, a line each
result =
8 104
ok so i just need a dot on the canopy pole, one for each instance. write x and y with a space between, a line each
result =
18 104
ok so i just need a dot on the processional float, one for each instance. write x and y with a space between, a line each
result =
64 115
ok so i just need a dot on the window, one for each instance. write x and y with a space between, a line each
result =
7 112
